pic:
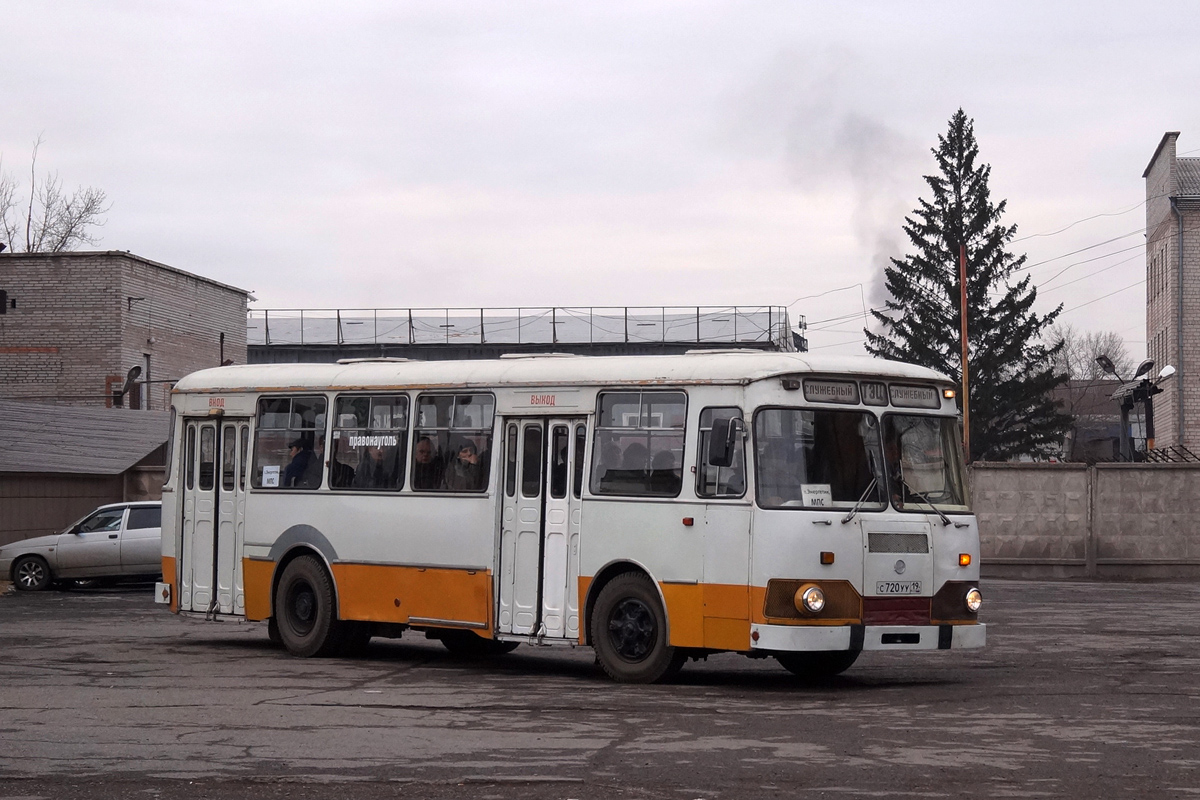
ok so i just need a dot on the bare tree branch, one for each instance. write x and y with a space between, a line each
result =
53 221
1077 357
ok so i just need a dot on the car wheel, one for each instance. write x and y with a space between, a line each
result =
304 609
31 574
465 644
629 632
818 665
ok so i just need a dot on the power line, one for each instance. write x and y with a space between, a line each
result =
1080 221
1090 274
1110 294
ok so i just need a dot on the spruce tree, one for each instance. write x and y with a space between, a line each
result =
1011 371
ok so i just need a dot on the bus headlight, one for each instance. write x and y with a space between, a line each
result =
809 599
974 600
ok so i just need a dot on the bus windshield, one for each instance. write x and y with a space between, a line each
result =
924 463
812 458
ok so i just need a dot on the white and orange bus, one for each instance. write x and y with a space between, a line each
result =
654 508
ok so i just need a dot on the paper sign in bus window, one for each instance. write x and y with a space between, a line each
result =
270 477
816 495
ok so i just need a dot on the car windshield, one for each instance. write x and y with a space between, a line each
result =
924 463
812 458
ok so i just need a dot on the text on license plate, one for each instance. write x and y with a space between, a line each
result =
898 587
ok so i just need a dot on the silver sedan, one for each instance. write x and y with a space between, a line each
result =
121 540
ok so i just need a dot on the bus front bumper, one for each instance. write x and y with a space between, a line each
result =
867 637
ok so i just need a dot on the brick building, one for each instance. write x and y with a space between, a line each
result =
74 324
1173 290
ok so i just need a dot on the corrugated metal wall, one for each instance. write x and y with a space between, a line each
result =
37 504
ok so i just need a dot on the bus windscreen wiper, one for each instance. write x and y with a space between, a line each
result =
920 496
854 510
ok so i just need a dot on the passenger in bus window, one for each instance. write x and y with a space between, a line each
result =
665 477
427 466
341 474
296 473
371 473
636 458
465 473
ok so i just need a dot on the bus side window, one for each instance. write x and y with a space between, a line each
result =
370 442
289 443
713 481
638 447
453 435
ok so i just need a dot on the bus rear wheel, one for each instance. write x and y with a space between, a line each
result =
818 665
629 632
304 609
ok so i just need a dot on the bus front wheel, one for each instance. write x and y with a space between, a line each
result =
304 609
818 665
629 632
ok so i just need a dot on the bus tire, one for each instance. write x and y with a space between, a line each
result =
304 609
629 631
465 644
818 665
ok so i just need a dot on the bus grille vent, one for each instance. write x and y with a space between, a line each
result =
897 543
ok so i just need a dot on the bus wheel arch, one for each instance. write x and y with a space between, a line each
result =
629 630
602 578
304 605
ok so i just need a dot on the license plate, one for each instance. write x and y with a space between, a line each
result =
898 587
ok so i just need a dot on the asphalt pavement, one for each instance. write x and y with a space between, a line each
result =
1085 690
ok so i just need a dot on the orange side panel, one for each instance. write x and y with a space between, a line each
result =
256 581
168 563
381 593
727 601
726 634
758 601
685 605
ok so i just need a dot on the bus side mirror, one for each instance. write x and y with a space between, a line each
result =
722 441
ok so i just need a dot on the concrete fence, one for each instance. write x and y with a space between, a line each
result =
1072 520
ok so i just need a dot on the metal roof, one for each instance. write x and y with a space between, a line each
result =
77 439
729 367
1187 175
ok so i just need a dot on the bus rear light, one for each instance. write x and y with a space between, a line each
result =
964 559
810 599
826 557
948 394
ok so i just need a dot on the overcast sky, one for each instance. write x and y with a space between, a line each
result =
499 154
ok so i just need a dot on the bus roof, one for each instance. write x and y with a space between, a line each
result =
702 367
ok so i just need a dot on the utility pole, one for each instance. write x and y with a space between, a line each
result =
966 394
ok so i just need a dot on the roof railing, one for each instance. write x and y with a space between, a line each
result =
703 325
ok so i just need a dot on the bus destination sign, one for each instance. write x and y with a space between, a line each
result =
831 392
915 396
